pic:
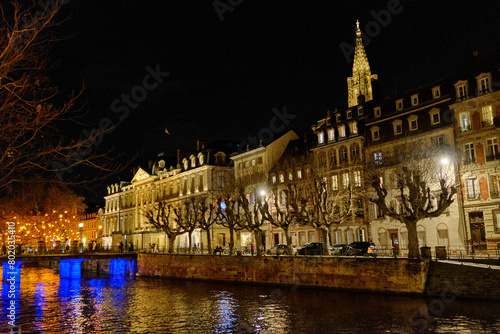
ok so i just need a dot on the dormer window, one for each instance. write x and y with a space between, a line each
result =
360 111
349 114
377 112
161 164
413 122
399 104
397 126
483 83
321 137
414 100
299 174
193 161
290 176
220 158
461 90
338 117
435 117
282 178
274 179
342 131
331 135
253 162
353 127
375 133
436 92
201 159
186 164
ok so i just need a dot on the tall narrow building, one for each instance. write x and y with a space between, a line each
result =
361 81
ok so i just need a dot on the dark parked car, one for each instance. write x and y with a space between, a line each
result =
361 248
313 248
338 249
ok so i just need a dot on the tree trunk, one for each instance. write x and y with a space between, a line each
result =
231 239
190 243
258 241
171 241
412 240
209 242
323 234
288 236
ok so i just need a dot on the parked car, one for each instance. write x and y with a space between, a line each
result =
312 248
279 249
338 249
362 248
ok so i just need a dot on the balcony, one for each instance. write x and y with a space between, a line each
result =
492 157
487 123
473 197
464 128
469 160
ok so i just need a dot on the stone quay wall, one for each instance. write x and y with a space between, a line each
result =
390 275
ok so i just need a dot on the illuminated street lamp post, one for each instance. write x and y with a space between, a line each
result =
80 225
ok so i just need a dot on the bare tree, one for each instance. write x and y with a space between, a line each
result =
31 112
208 214
162 217
422 182
186 217
249 215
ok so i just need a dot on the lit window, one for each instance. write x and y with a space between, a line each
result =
342 131
345 180
321 137
299 174
282 178
331 135
290 176
335 183
487 115
202 159
357 178
354 128
465 123
495 186
253 162
274 178
377 157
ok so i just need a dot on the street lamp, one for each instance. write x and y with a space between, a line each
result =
80 225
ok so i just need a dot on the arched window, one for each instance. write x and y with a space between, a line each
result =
442 233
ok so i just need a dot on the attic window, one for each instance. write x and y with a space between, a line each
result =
399 104
414 100
377 112
436 92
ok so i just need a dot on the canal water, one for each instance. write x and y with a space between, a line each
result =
92 304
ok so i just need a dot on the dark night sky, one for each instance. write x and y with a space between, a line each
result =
227 76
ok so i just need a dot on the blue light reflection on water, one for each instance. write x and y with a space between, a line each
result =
115 304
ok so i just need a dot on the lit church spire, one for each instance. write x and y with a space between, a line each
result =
361 81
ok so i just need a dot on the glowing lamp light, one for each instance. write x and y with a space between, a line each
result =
80 225
445 161
262 192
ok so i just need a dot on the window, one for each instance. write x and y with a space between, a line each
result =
469 155
349 114
331 135
220 179
259 160
437 141
461 92
283 197
377 112
333 157
343 154
377 157
282 177
436 92
397 126
399 104
299 174
186 164
492 149
290 176
338 117
253 162
321 137
442 231
202 159
495 185
483 83
274 179
335 183
413 122
375 133
465 123
414 100
345 180
473 191
357 178
435 116
353 128
342 131
421 236
355 152
247 164
486 116
193 162
322 159
496 220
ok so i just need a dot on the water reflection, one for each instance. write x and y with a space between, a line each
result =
50 304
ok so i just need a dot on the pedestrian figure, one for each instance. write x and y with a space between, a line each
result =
131 247
121 247
155 248
67 248
4 250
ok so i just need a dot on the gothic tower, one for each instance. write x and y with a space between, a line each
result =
361 81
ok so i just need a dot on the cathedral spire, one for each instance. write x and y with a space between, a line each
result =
361 81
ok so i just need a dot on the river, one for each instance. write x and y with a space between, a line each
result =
92 304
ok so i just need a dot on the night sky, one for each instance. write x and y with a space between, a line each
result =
226 77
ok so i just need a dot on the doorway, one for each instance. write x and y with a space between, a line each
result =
477 232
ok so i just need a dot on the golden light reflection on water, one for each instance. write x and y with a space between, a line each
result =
50 304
